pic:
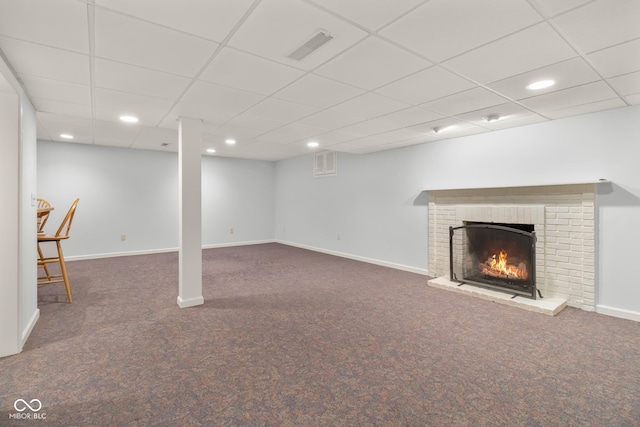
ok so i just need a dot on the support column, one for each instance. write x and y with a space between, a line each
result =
190 215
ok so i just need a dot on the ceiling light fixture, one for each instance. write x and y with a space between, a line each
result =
211 150
492 118
316 42
66 136
440 129
541 84
312 144
230 141
129 119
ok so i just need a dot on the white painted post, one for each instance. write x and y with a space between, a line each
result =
190 215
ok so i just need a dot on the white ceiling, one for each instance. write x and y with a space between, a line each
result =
393 71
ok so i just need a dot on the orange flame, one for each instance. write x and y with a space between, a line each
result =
497 266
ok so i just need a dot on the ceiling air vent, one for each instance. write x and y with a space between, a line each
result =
314 43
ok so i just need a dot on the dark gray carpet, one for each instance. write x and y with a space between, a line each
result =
289 337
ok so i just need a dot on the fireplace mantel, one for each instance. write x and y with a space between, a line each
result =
554 188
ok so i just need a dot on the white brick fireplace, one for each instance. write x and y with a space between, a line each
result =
564 221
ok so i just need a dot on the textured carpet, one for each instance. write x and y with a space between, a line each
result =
289 337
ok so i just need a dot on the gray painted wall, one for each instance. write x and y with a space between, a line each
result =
135 193
376 205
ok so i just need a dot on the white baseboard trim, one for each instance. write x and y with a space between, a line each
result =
382 263
190 302
231 244
30 325
162 250
618 312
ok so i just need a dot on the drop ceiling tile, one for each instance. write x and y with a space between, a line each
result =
209 115
317 91
400 135
568 98
600 24
369 105
590 107
56 90
371 64
251 121
249 72
441 29
469 100
296 22
61 24
634 99
555 7
269 152
627 84
152 138
277 109
371 15
219 97
621 59
573 72
141 81
62 108
370 127
209 19
43 61
115 134
366 143
508 113
242 136
451 128
426 85
335 136
49 119
125 39
409 117
290 133
330 120
110 105
529 49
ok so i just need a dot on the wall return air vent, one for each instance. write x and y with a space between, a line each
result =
319 39
325 164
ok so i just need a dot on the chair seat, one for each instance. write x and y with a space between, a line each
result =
50 238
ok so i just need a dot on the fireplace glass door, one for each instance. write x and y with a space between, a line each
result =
496 256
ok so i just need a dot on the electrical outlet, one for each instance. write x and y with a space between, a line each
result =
338 237
123 237
231 230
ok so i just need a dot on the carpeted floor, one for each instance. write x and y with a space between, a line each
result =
289 337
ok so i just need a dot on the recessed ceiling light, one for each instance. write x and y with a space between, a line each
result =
541 84
312 144
66 136
129 119
492 118
230 141
211 150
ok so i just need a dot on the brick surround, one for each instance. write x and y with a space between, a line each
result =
563 217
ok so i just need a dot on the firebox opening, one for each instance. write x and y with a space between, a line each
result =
494 255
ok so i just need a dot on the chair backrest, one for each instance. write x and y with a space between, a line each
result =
63 231
42 219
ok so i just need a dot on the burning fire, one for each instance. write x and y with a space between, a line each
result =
497 266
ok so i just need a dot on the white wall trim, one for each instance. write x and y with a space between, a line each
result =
382 263
618 312
162 250
30 325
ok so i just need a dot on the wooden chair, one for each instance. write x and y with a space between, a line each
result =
43 217
61 234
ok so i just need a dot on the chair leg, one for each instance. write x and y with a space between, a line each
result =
44 265
63 267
